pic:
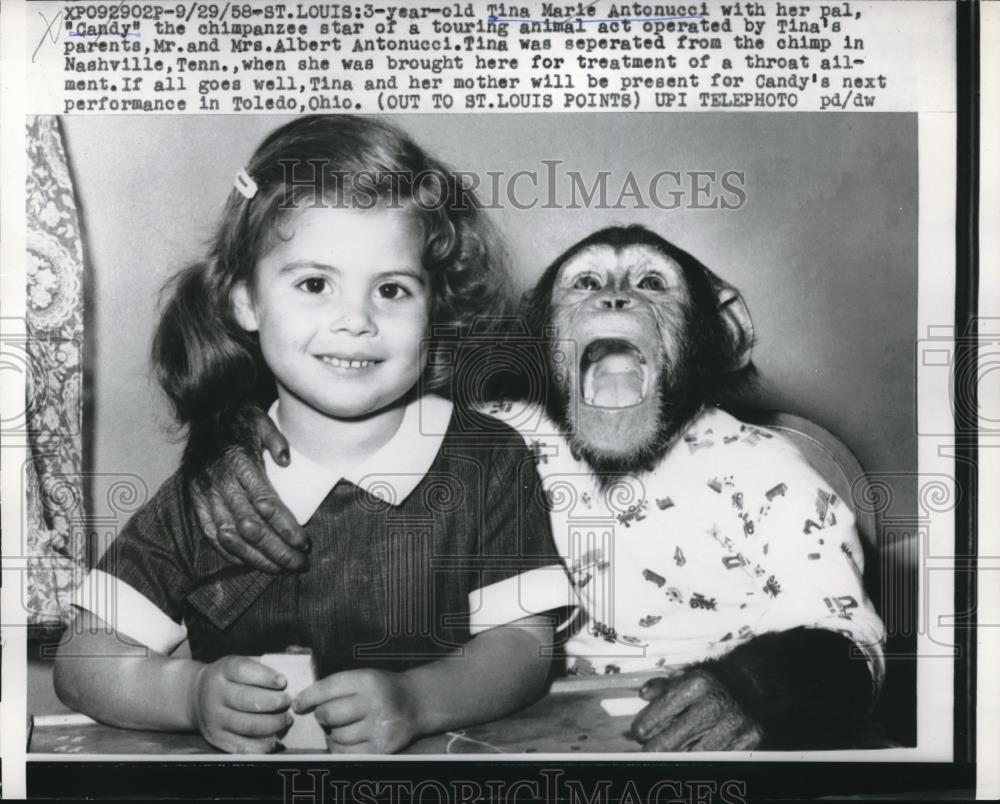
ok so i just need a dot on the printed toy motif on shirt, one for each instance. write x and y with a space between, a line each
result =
733 534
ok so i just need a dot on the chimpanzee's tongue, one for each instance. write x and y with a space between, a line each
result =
614 381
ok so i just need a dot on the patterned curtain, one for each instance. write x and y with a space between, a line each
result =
55 529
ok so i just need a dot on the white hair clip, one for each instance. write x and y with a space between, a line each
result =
246 185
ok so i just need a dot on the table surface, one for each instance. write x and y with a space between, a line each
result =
568 719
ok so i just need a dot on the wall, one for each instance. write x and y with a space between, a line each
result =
824 249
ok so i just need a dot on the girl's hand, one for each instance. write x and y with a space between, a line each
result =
239 706
363 711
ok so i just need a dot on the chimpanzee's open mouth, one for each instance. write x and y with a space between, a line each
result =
613 374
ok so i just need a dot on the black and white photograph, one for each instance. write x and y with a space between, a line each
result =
442 446
782 279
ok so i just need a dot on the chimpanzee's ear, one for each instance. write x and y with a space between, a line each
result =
736 317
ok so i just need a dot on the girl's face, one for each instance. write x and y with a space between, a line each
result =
341 309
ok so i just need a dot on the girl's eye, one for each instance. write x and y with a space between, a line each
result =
392 290
314 284
652 282
587 282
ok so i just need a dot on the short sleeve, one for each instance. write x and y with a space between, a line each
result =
521 573
808 542
139 585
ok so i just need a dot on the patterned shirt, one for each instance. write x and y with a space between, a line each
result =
733 534
433 539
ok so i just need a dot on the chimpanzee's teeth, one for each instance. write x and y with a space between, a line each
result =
619 389
341 363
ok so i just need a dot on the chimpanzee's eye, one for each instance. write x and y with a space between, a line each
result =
652 282
587 282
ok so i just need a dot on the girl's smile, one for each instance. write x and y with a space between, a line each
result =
348 363
341 304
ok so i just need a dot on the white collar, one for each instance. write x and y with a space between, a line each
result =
391 474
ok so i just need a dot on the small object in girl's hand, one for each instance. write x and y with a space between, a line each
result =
618 707
297 668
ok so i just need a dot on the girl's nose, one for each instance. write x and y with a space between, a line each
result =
354 318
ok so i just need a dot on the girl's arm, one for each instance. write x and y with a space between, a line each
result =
235 703
106 675
374 711
502 670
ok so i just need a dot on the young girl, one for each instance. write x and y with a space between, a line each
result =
344 256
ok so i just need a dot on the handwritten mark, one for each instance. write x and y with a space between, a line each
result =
491 19
99 35
52 35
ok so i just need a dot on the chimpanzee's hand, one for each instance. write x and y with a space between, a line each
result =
239 512
692 711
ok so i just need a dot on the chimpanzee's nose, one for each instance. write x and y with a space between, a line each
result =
615 302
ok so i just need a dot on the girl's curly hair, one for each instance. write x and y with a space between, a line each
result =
210 368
